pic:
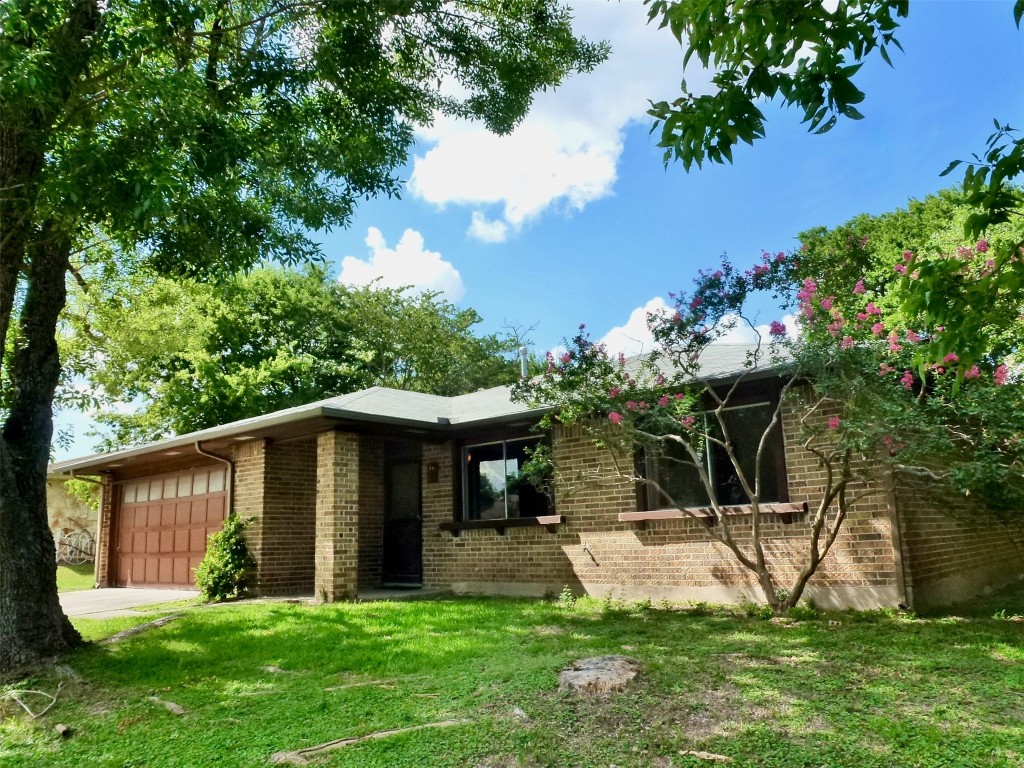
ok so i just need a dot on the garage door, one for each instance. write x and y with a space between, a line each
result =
163 525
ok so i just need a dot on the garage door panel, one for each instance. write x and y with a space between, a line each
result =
215 510
163 527
199 511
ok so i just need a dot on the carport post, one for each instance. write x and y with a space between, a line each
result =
337 516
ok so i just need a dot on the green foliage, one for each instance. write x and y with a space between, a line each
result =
85 490
805 54
227 570
194 355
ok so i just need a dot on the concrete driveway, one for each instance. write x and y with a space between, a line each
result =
105 603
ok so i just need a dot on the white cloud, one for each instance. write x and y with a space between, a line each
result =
565 153
408 263
487 230
634 337
742 333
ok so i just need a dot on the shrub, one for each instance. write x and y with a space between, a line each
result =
226 570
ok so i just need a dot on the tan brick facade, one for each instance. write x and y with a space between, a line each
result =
337 516
953 549
319 507
676 559
105 531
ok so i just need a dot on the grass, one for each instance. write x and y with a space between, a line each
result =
74 578
865 690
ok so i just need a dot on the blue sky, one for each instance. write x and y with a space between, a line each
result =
573 218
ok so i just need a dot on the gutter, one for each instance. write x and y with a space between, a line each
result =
230 484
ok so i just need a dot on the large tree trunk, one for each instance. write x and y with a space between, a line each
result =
32 624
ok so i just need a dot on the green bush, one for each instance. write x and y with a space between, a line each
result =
227 568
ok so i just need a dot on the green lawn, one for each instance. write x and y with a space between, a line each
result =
73 578
255 679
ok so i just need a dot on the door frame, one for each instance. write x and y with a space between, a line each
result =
398 453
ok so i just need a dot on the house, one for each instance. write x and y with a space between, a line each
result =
393 488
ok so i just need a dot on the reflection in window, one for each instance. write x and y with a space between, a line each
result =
493 488
673 470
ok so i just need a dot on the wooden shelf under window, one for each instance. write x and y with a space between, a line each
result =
788 512
458 526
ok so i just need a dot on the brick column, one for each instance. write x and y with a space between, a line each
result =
337 516
105 534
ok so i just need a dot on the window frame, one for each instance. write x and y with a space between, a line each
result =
462 451
648 497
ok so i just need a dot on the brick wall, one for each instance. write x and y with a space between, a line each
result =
954 549
371 511
275 485
289 519
105 531
337 516
674 559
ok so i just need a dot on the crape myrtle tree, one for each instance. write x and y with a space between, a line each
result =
200 137
191 355
806 54
868 411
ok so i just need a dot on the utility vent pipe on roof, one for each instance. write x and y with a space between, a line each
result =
524 356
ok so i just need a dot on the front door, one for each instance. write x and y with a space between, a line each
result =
403 522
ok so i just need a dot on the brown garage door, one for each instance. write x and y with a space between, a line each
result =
163 525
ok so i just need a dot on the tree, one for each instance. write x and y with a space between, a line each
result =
863 414
200 138
194 355
807 54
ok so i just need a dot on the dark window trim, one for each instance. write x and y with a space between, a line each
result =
767 392
491 437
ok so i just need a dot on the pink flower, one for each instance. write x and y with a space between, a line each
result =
777 328
878 329
1001 374
894 345
614 392
835 327
664 400
631 405
990 263
833 422
615 418
689 421
901 268
982 246
859 288
566 357
907 380
871 309
908 256
951 358
973 373
846 343
885 368
826 303
679 395
862 316
913 337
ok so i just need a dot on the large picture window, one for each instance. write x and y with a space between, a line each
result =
680 483
493 487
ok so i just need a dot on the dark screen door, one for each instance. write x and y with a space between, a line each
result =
403 532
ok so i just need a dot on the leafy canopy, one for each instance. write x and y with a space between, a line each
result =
192 355
806 54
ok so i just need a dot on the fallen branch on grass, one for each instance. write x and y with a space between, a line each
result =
16 697
300 756
132 631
